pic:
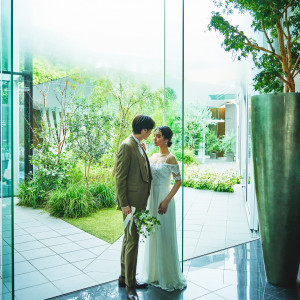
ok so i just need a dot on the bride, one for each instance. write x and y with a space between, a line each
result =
161 266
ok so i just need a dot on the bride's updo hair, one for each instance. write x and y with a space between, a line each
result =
167 133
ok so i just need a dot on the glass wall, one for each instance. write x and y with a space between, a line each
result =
250 186
215 216
8 83
174 96
122 58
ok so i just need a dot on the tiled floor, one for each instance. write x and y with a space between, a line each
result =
212 221
234 273
53 257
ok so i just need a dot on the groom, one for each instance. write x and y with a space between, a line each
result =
133 181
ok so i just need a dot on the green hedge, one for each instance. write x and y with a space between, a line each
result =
189 156
71 202
211 179
76 201
105 196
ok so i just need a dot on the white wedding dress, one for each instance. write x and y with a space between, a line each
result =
160 264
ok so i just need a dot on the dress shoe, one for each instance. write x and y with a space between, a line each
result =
131 294
141 285
138 285
121 281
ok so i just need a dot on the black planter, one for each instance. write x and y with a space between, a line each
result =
276 155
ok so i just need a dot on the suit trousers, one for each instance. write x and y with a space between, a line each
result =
129 254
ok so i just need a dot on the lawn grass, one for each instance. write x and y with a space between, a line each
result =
106 224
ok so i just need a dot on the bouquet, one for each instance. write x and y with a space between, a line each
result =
146 224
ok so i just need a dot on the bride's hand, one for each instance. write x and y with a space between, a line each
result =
163 206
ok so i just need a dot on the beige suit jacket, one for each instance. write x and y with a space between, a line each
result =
133 180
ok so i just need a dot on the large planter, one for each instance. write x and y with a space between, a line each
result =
230 156
275 122
214 155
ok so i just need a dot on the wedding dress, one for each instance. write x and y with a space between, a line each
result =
161 266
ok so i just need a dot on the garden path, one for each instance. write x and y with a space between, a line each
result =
53 257
220 164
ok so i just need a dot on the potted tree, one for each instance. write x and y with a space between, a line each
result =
275 118
228 145
212 144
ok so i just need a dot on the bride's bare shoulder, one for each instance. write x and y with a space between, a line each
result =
172 159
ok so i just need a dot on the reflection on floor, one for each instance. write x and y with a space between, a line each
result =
234 273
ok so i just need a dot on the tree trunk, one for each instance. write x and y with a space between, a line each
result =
290 83
87 173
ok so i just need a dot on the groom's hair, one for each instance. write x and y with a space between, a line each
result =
142 122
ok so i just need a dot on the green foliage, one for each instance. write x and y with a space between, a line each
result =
228 143
76 201
44 71
89 135
189 156
32 193
279 22
107 160
51 172
157 108
101 174
124 99
196 125
211 179
212 142
152 150
146 224
105 195
271 70
129 99
53 167
71 202
76 175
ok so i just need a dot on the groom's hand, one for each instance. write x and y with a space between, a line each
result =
126 210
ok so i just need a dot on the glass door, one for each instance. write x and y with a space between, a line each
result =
174 97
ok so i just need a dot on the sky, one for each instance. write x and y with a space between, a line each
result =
128 36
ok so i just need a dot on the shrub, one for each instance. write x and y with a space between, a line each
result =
228 143
105 196
72 202
189 156
76 175
107 160
53 168
76 201
211 179
52 172
103 175
212 142
31 194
